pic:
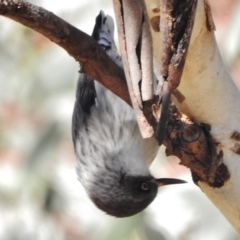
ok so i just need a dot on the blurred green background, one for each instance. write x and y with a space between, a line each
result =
40 196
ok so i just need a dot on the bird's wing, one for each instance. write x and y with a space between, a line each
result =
103 33
86 94
85 99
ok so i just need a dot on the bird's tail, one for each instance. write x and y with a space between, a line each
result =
103 33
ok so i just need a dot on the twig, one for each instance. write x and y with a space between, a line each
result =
78 44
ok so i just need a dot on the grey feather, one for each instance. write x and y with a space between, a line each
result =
111 154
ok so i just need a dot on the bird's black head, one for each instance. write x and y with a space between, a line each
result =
131 196
128 195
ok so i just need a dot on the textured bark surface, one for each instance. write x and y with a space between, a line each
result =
136 51
193 144
177 18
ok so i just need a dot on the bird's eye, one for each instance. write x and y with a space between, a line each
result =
144 186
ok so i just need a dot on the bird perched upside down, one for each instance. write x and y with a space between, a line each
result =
111 154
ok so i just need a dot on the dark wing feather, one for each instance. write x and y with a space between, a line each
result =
98 24
85 99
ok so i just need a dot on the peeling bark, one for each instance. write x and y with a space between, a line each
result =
177 18
136 51
176 23
193 144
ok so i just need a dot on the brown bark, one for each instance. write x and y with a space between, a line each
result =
78 44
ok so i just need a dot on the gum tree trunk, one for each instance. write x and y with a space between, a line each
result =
211 97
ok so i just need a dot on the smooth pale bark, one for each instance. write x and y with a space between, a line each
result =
210 97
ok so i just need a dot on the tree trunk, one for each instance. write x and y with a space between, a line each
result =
211 97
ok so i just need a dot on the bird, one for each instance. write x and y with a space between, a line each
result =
112 157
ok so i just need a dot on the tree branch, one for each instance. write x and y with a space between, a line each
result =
78 44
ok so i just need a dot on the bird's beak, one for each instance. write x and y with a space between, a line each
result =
167 181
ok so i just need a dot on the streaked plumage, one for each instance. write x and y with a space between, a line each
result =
111 155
